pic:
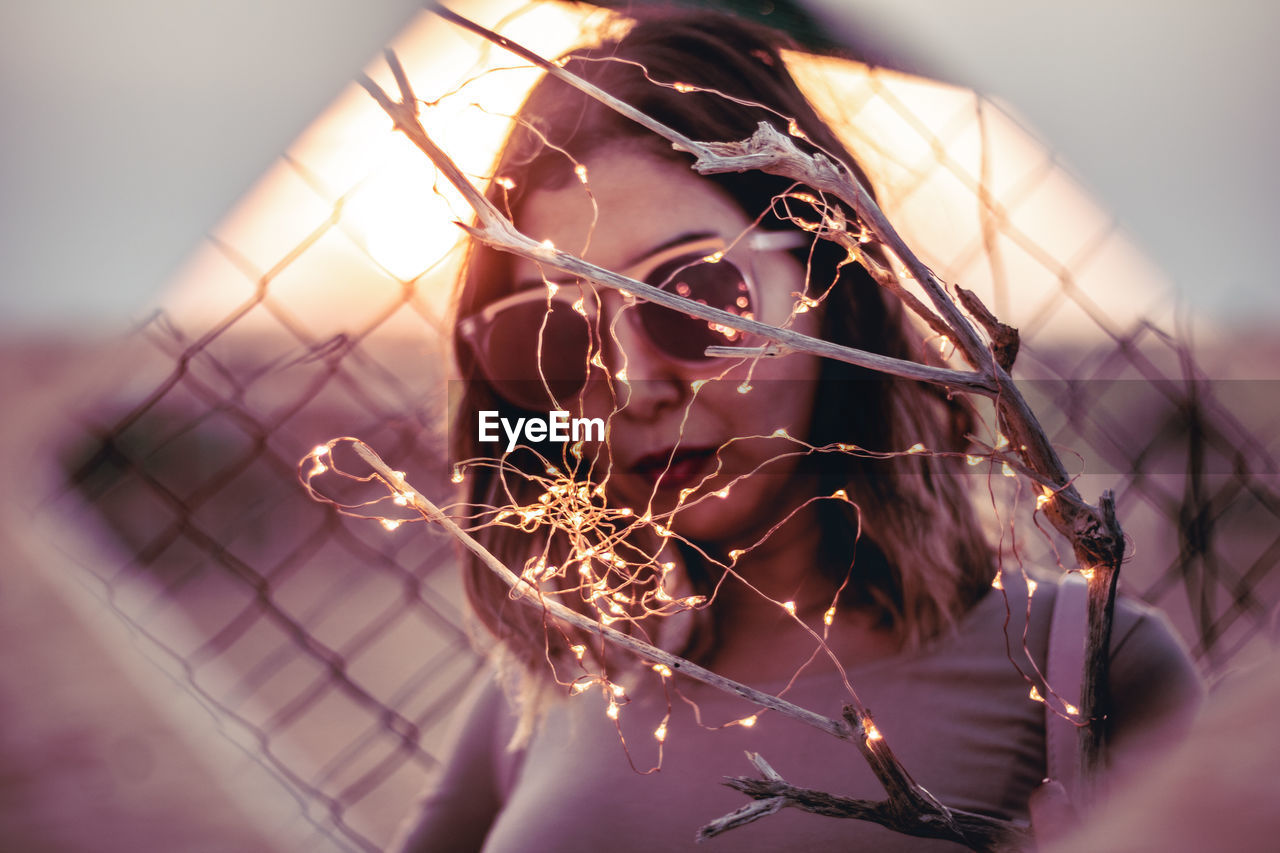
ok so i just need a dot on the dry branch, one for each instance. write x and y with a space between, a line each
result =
978 832
497 231
909 807
921 818
531 596
1094 531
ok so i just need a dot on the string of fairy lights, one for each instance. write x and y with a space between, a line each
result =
614 563
607 571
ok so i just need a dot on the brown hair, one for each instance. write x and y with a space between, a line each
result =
922 558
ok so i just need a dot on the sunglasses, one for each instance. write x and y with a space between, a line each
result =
537 346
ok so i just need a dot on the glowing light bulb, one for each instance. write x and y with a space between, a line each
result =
552 288
1031 587
581 171
612 711
578 650
1035 694
662 669
781 432
660 733
735 554
748 722
390 523
580 306
972 460
697 384
916 448
1071 709
871 731
548 245
829 616
790 607
996 582
1043 498
621 374
684 88
1007 470
1088 572
794 130
457 476
841 494
722 494
505 182
319 467
744 388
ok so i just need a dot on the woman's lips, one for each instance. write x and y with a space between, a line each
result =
678 470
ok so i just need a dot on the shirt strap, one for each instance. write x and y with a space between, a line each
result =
1064 671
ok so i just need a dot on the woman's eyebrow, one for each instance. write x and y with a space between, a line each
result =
679 240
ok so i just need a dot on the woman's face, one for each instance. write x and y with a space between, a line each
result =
645 204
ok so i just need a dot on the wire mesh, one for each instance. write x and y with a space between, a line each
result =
341 648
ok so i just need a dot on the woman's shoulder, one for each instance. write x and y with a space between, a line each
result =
1153 677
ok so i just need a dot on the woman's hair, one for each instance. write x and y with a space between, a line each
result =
921 558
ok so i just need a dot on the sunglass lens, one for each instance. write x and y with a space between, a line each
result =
719 285
517 366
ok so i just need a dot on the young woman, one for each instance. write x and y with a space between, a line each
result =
751 548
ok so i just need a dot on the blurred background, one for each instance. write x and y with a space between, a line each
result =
217 255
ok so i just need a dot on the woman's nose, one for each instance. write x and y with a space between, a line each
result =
649 382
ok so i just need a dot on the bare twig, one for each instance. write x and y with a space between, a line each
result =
908 804
531 596
1004 338
752 811
496 230
1094 531
976 831
909 809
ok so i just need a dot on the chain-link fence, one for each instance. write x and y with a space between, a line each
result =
336 650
